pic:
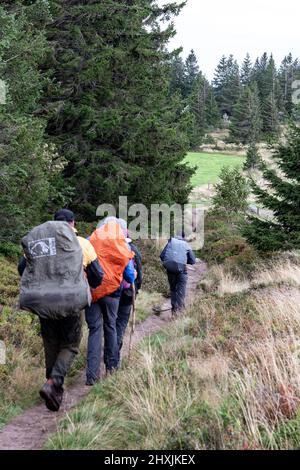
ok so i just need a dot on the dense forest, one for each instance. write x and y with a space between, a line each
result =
254 97
97 106
88 115
94 105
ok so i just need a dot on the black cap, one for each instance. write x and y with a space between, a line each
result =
64 215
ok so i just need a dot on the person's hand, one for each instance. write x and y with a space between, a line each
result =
135 274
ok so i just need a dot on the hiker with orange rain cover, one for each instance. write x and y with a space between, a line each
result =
57 269
115 258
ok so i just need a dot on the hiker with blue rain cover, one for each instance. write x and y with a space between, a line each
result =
58 268
175 256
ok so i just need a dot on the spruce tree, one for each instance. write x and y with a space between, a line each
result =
265 75
197 104
288 72
226 84
191 73
253 158
232 191
246 71
178 78
270 117
30 166
246 123
220 83
204 111
212 113
109 109
282 197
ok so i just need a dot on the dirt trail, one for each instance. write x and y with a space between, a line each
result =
31 429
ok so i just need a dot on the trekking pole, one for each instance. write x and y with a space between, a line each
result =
133 320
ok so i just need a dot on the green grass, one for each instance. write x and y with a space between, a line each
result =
209 166
216 378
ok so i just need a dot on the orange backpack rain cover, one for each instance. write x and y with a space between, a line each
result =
113 255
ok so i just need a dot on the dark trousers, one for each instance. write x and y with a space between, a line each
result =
104 312
124 311
178 290
94 319
61 340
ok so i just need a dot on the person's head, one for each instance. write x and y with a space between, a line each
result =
65 215
121 222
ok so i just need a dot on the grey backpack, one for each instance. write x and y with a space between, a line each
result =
53 284
175 258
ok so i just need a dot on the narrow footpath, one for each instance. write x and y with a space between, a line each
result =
30 430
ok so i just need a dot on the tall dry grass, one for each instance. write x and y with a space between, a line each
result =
226 375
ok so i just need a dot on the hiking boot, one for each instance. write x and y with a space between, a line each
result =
111 371
175 314
52 394
91 382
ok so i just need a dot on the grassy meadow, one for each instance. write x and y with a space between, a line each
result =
209 166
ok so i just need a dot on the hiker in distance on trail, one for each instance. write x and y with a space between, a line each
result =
108 308
175 256
57 270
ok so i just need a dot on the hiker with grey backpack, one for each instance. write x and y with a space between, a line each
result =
175 257
57 270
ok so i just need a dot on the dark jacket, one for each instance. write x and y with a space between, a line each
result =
137 261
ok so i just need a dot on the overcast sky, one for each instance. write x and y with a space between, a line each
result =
216 27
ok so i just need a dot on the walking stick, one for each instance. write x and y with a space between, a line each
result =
133 320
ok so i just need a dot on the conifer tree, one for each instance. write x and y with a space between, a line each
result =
253 158
246 123
232 191
288 72
109 109
265 75
212 113
29 164
226 84
191 73
220 82
270 117
197 104
246 71
178 78
204 110
282 197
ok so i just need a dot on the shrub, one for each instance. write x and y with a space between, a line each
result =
232 191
